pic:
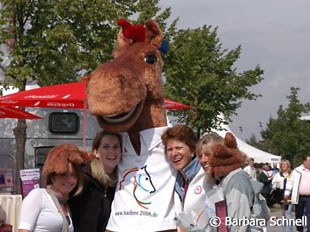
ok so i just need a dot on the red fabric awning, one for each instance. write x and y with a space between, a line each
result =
12 112
70 96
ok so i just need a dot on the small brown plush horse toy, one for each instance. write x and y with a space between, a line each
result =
126 95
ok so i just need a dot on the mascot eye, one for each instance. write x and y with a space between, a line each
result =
150 58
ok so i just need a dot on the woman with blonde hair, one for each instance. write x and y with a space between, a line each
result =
91 209
46 209
278 185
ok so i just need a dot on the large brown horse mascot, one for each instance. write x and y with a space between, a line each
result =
126 95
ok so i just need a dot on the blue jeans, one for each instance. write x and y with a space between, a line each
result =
303 209
287 213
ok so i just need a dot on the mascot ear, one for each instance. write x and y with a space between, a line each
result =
153 33
131 33
230 140
225 158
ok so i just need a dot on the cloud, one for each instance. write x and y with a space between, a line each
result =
272 33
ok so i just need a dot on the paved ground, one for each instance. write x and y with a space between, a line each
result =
276 211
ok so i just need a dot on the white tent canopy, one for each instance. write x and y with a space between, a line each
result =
306 117
259 156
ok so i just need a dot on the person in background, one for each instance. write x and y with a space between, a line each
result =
275 168
91 209
233 191
46 209
298 191
279 182
265 177
180 145
250 169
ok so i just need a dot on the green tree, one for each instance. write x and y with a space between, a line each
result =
254 142
201 74
287 135
53 42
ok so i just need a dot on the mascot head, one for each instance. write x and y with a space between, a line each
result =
126 93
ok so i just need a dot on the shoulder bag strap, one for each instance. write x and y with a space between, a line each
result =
65 226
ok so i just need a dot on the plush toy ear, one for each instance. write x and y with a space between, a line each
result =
225 158
131 33
153 33
230 140
135 32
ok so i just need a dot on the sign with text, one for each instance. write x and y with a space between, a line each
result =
30 179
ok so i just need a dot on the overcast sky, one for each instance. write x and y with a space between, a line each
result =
274 34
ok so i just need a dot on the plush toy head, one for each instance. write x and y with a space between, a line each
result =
126 93
223 154
60 156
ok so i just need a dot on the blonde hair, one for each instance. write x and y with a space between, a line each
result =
97 169
98 172
287 162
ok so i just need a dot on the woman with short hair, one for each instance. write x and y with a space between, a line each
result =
180 146
46 209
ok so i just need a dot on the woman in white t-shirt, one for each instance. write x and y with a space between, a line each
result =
46 209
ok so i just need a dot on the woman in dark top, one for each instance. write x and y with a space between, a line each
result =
91 209
266 177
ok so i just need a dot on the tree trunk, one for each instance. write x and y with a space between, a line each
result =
198 132
19 161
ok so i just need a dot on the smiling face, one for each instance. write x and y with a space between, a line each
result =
203 157
179 154
65 183
110 152
110 95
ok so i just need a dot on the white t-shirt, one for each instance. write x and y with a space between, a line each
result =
144 193
40 214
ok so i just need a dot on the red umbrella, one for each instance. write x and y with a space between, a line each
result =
172 105
12 112
69 95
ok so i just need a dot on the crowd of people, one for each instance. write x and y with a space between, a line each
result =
290 188
213 179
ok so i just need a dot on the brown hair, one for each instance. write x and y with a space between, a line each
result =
58 160
97 169
182 133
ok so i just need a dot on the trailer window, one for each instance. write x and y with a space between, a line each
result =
40 155
64 122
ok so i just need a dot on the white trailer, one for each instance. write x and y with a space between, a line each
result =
57 126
